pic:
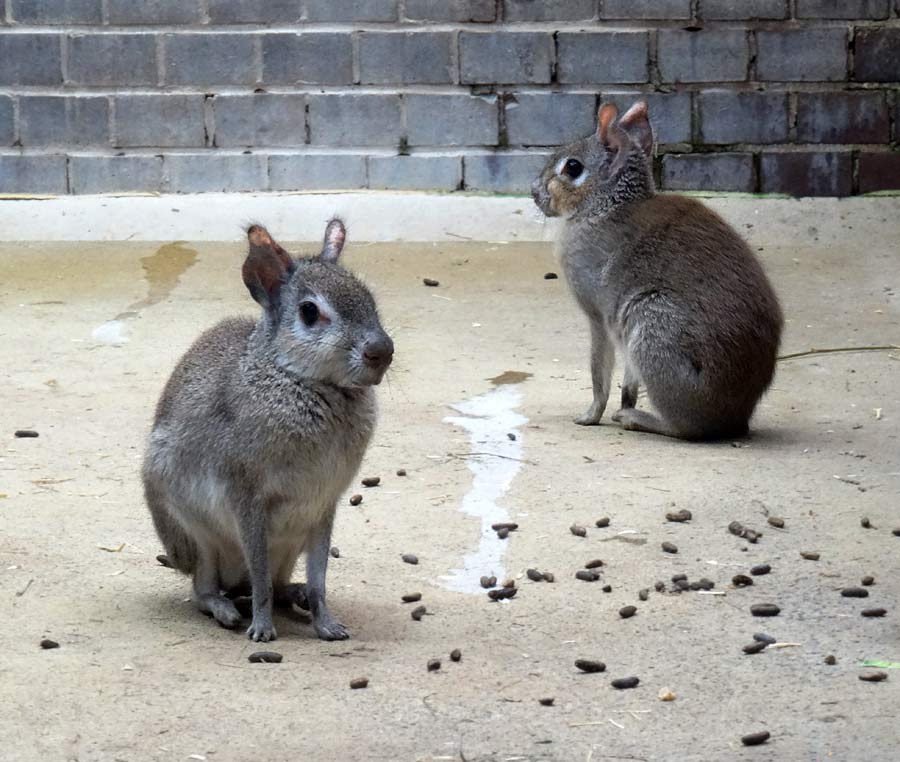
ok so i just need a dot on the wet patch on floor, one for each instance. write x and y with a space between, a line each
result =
510 377
494 460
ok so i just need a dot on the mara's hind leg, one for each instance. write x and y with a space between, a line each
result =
207 594
630 389
287 593
633 419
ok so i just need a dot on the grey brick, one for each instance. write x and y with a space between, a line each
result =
212 173
154 12
549 119
843 9
254 11
451 120
112 59
504 57
317 172
114 174
52 12
210 59
877 57
718 55
355 120
351 10
159 121
548 10
503 172
30 59
321 58
670 113
879 172
451 10
260 120
47 120
746 117
712 10
602 57
802 55
857 117
806 174
32 174
405 58
7 127
646 9
708 172
415 172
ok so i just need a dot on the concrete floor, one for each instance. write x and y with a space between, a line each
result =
140 675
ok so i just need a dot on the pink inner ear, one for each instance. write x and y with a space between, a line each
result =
605 117
267 263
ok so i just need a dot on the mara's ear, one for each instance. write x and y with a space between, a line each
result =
335 235
636 122
266 269
605 117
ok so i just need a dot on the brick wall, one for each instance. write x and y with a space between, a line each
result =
795 96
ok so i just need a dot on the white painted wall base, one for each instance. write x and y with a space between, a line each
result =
370 216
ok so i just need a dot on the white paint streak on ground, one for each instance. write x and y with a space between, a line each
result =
488 418
110 332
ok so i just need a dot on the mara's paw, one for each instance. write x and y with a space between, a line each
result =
262 631
329 629
617 416
293 593
228 618
590 418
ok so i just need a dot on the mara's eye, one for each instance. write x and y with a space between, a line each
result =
573 168
309 314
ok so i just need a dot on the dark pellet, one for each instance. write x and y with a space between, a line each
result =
47 644
548 701
604 522
418 612
487 582
548 577
455 655
896 532
679 516
534 575
659 586
765 609
682 584
869 613
265 657
865 523
371 481
502 534
855 592
411 597
626 612
706 584
741 580
873 676
755 647
587 665
736 528
410 558
606 588
760 569
775 521
763 638
26 434
335 551
644 594
578 531
502 594
696 585
355 499
163 560
755 739
831 660
434 665
625 682
431 282
595 564
678 577
868 580
359 682
550 276
669 547
809 555
401 472
511 437
510 525
587 575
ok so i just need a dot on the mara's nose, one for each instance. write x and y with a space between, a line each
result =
378 353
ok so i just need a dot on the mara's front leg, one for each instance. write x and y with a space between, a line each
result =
318 547
603 356
253 526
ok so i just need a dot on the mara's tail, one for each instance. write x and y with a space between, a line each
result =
180 548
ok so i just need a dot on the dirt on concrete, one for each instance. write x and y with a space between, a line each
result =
91 333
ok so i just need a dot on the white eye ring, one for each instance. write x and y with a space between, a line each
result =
578 181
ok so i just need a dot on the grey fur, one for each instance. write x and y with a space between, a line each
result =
260 428
666 280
